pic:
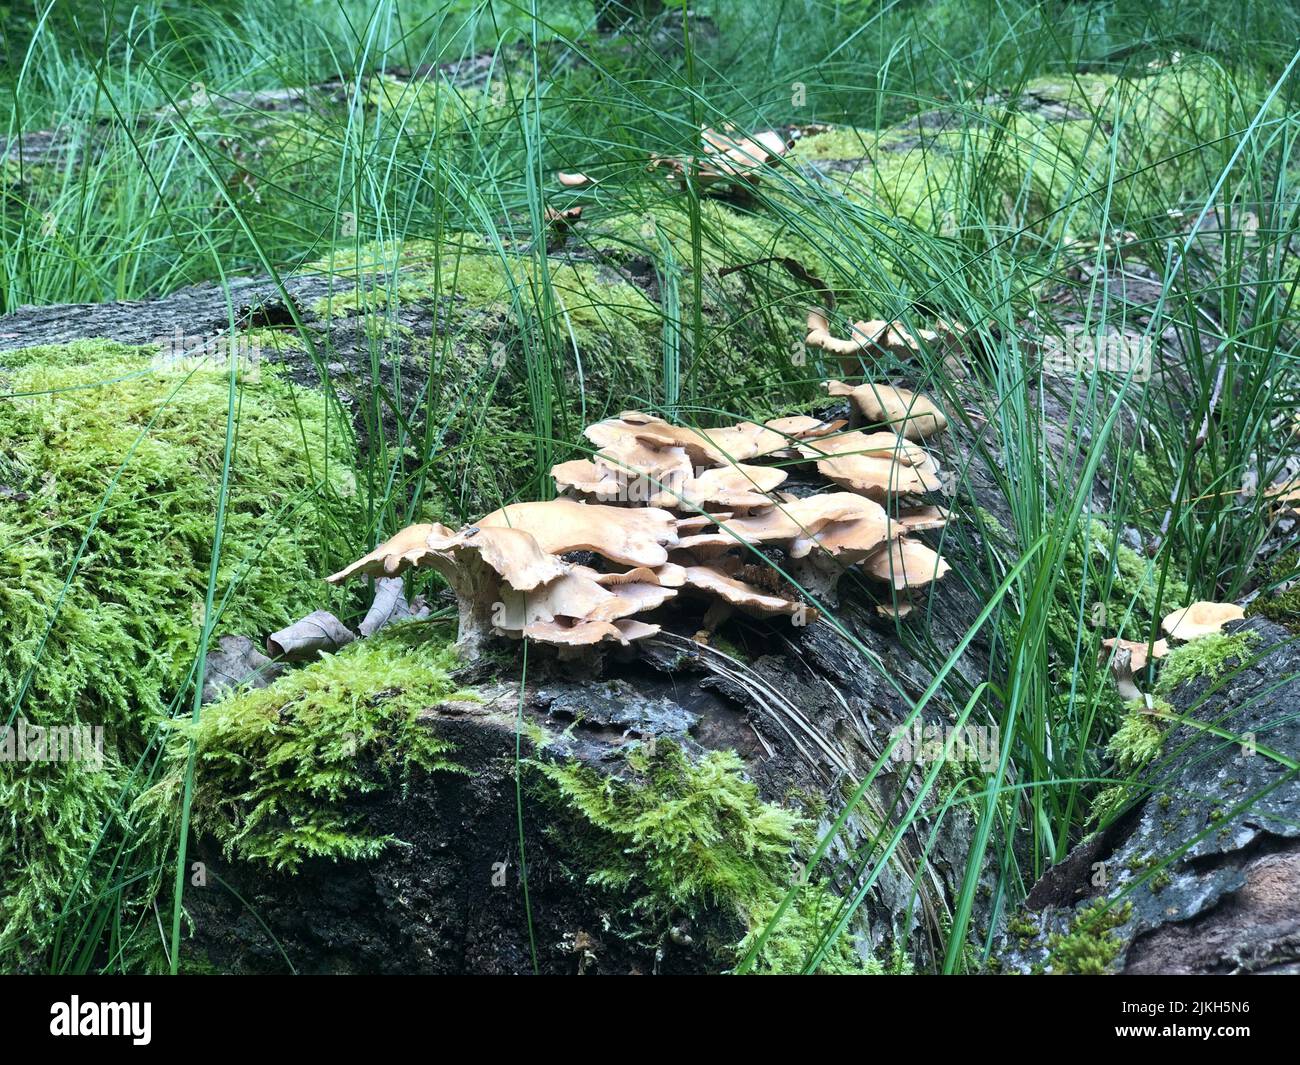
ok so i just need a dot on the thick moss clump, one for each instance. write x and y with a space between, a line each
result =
111 465
1281 607
1049 144
1091 946
675 838
277 767
1206 656
1116 585
1139 737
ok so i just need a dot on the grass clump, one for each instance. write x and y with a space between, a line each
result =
278 766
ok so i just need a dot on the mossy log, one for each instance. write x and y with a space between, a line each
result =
801 713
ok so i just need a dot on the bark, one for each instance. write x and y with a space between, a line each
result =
1228 900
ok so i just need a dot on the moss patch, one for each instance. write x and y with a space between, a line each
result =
1139 737
1091 946
278 766
678 838
112 466
1207 656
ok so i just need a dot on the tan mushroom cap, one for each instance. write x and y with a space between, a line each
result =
1137 650
577 597
585 477
861 335
851 540
634 536
906 564
395 555
880 404
882 445
804 427
798 518
694 523
881 337
878 477
1200 619
624 447
513 555
727 155
897 611
738 486
743 596
572 180
589 633
572 596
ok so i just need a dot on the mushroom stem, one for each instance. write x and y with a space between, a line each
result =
818 575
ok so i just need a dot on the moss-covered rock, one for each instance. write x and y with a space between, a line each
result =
1207 656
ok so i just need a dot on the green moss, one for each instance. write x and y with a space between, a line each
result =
100 443
278 766
1284 608
1090 947
1207 656
1155 870
675 837
1139 737
798 935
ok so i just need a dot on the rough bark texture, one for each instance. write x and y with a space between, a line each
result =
1228 900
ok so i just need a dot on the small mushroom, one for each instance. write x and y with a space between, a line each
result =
921 519
798 518
572 180
727 156
875 464
743 596
1121 669
862 335
578 636
1200 619
819 560
395 555
1137 650
895 611
738 487
912 414
906 564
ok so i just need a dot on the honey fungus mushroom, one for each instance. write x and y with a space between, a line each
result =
906 565
477 563
634 536
668 514
730 593
820 559
874 464
911 414
1200 619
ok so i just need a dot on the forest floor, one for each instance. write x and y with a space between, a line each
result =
274 290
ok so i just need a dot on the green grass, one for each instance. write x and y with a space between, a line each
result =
1183 135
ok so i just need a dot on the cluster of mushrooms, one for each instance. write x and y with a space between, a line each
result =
664 512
